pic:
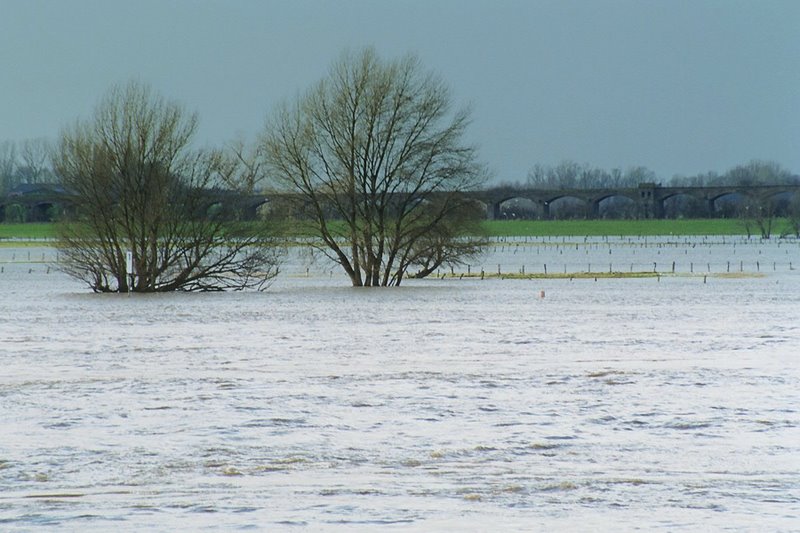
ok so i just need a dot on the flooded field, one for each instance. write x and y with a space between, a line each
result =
446 404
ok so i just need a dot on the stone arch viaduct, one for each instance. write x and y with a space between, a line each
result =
648 197
39 202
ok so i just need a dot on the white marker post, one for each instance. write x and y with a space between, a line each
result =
129 269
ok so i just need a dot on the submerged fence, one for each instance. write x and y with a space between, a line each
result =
551 256
539 257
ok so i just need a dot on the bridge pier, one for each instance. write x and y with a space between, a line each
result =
658 208
651 208
594 209
648 201
493 211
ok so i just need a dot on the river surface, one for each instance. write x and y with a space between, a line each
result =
668 402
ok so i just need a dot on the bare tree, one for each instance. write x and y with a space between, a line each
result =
571 175
242 169
8 165
758 215
138 186
36 157
378 164
793 216
446 244
758 173
538 177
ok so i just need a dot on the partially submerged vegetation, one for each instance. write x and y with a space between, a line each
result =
144 214
377 163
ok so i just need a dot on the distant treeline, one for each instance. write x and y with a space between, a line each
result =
25 162
572 175
30 162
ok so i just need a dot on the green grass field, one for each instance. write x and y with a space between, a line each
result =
558 228
32 230
516 228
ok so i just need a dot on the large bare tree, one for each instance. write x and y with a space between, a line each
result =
137 185
377 160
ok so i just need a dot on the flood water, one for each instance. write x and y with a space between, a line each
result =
444 404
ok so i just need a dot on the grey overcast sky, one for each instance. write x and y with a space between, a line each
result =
678 86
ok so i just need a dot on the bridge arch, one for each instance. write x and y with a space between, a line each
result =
42 212
684 204
779 202
727 203
256 208
616 205
567 206
522 207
